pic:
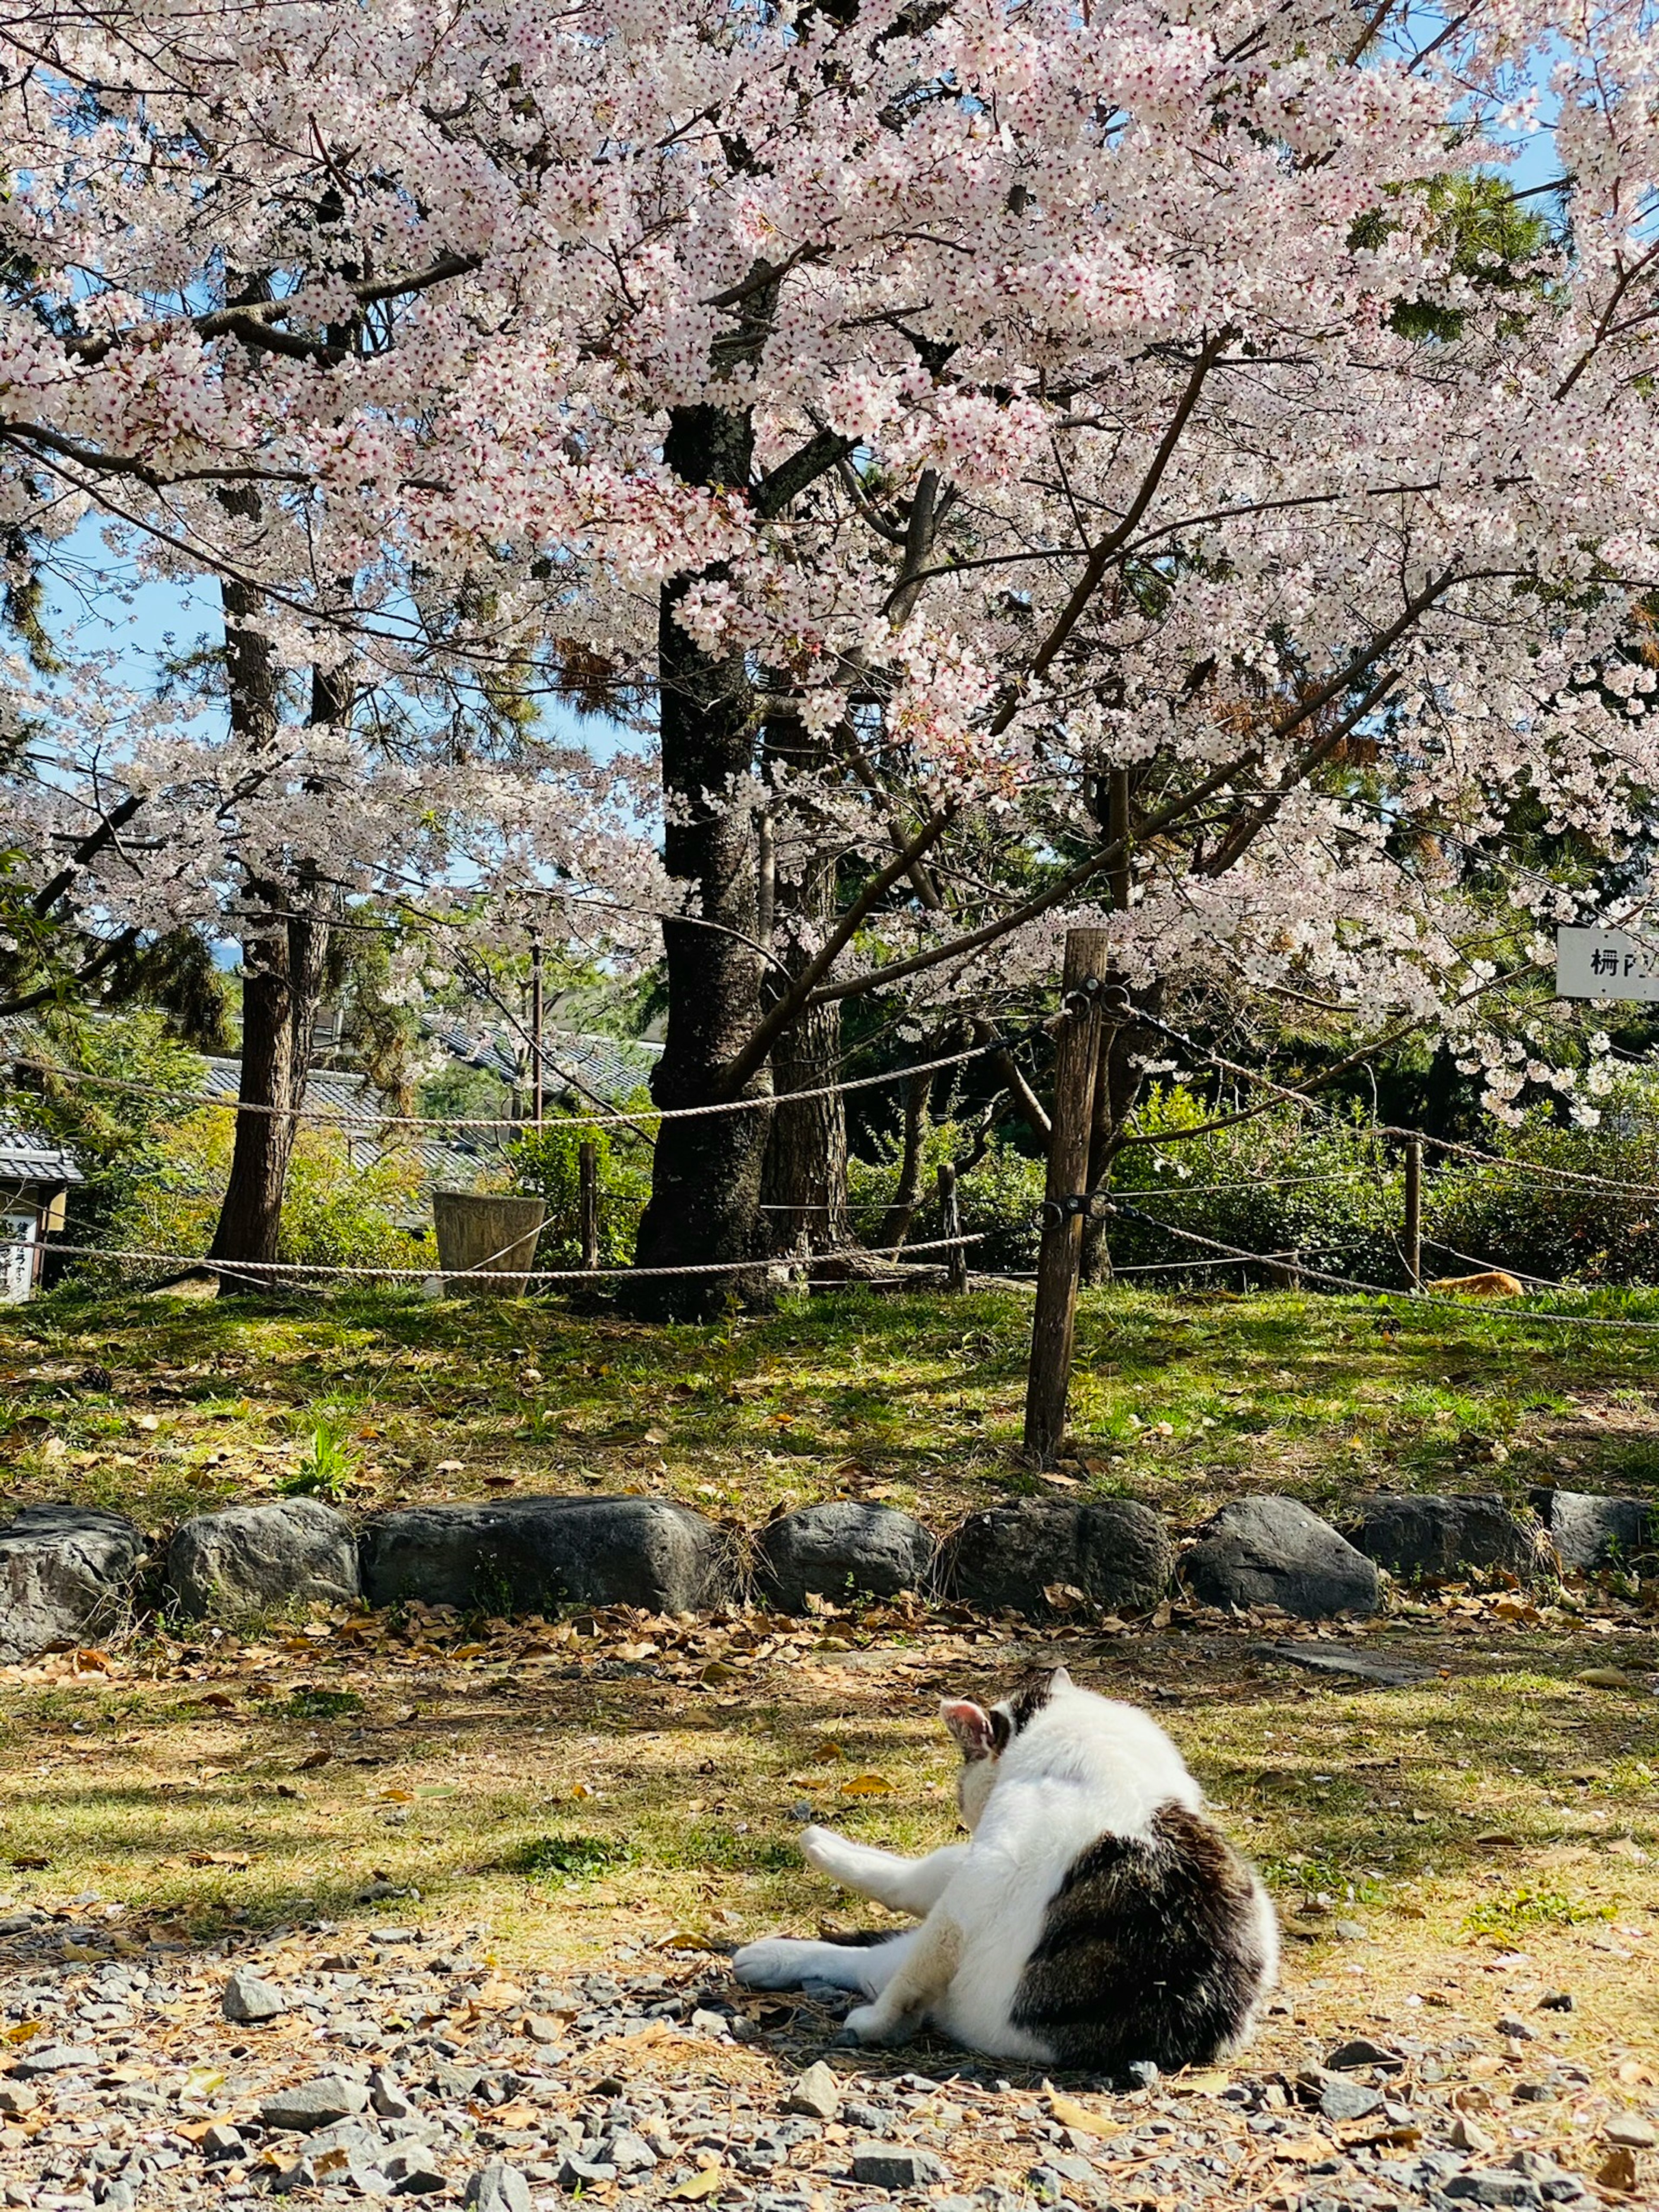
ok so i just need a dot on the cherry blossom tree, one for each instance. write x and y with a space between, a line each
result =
1029 463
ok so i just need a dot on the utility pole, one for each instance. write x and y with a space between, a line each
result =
1083 983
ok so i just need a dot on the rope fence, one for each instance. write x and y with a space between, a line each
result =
643 1117
185 1263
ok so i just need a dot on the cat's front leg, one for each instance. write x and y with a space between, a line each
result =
886 1878
913 1992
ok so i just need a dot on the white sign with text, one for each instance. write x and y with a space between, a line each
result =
1606 963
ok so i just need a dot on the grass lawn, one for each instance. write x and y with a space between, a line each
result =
600 1787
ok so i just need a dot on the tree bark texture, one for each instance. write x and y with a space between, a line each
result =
284 969
803 1184
706 1180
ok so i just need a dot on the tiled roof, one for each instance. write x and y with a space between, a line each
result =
582 1062
26 1157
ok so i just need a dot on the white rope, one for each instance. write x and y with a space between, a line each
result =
645 1117
188 1263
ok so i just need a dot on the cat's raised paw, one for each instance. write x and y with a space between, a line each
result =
822 1847
773 1963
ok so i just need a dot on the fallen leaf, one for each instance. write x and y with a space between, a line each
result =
1622 1847
1618 2170
321 1757
682 1939
697 2186
867 1785
1606 1678
395 1797
1210 2083
219 1858
1070 2114
25 2030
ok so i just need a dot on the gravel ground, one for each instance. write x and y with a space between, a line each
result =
397 2061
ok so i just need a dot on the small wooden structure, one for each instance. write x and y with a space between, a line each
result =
35 1176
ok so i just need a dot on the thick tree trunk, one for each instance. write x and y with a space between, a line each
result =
705 1187
803 1184
284 969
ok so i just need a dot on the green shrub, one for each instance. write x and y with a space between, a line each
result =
1286 1181
545 1162
335 1211
1511 1216
998 1199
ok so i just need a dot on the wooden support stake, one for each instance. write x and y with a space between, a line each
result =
1088 963
588 1163
1414 1211
950 1215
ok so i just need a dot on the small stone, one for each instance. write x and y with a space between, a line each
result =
17 2098
1346 2100
55 2058
388 2096
1351 1931
1361 2051
314 2104
625 2152
1141 2074
498 2187
1556 2001
221 2141
300 2175
895 2166
1630 2130
582 2173
542 2028
1494 2186
704 2022
248 1999
1510 2025
1467 2135
817 2091
413 2172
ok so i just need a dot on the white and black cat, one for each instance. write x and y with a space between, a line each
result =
1096 1919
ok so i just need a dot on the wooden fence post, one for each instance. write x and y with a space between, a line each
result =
1088 964
1414 1211
588 1161
950 1215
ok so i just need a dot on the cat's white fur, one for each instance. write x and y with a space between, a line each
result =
1083 1767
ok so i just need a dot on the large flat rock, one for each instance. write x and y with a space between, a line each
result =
529 1554
840 1549
67 1574
1430 1538
257 1558
1009 1558
1589 1531
1276 1551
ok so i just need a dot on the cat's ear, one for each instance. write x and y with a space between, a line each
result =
1060 1679
970 1724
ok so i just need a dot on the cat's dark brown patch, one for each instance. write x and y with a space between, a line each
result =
1027 1699
1149 1949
